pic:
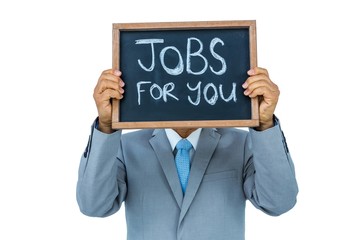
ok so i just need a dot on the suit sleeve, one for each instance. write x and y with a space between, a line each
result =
101 186
269 174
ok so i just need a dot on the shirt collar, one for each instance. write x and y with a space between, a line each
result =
174 137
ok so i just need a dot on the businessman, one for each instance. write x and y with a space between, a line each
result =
192 190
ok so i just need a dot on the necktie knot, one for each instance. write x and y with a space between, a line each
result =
183 144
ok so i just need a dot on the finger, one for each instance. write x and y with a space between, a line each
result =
107 84
260 91
265 92
258 70
110 77
115 72
255 78
260 83
250 92
107 95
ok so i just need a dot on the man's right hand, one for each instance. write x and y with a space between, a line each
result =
109 85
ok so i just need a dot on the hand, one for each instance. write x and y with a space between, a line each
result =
109 86
259 84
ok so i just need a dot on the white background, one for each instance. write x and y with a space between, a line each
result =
52 52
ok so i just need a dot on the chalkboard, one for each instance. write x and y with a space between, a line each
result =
184 74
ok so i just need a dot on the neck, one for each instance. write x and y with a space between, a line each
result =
184 132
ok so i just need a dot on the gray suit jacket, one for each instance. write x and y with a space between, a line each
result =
229 167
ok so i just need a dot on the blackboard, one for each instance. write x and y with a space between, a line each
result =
184 74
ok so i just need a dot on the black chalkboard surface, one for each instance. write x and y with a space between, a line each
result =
184 74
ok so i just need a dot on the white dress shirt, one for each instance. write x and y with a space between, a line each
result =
174 138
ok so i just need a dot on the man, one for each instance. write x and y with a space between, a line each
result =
227 167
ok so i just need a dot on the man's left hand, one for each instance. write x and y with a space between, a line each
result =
259 85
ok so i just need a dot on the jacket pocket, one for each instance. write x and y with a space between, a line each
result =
220 175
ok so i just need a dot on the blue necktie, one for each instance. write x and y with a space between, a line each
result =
182 161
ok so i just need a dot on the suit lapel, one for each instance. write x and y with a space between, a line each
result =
165 156
208 141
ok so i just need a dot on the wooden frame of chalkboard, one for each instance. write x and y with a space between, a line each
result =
184 74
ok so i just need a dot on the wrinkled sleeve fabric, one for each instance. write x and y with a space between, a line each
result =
269 175
101 186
